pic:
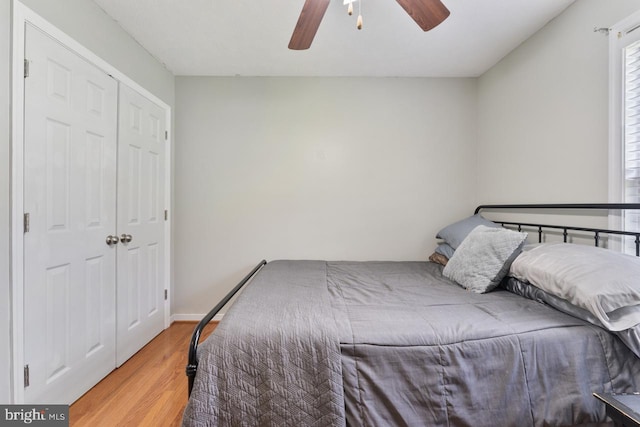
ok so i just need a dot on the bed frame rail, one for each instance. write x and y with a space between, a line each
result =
192 364
565 229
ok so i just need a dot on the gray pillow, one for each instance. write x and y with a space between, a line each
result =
630 336
455 233
445 249
483 259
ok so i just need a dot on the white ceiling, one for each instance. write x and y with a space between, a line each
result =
250 38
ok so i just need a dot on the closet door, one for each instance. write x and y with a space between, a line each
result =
69 197
141 160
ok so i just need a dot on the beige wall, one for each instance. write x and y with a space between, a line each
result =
543 112
315 168
91 27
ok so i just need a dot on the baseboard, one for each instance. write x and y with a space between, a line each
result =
193 317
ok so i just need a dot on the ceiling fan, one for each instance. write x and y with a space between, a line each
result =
427 14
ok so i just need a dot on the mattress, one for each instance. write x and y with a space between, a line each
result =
396 343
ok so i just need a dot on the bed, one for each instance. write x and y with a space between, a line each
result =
416 343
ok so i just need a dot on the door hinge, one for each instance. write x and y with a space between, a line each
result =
166 294
26 222
166 214
26 376
26 68
166 135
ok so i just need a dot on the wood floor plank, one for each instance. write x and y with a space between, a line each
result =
150 389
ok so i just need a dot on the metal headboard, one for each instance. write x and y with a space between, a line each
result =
565 228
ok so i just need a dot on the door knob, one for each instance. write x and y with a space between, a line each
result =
126 238
112 240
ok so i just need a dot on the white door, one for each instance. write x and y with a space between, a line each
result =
141 160
69 195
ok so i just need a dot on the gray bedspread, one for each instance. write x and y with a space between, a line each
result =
274 359
394 344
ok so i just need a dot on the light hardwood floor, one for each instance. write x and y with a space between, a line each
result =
150 389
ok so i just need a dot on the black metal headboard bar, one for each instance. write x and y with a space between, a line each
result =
565 228
566 206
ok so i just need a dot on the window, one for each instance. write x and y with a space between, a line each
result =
631 157
624 148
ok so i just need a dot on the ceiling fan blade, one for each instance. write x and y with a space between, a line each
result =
428 14
308 23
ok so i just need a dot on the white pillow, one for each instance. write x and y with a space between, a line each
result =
483 258
604 282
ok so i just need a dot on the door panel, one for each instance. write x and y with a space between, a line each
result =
70 195
141 160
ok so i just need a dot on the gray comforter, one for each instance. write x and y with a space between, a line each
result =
384 343
275 359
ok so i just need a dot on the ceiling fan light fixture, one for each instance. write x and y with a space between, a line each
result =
428 14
